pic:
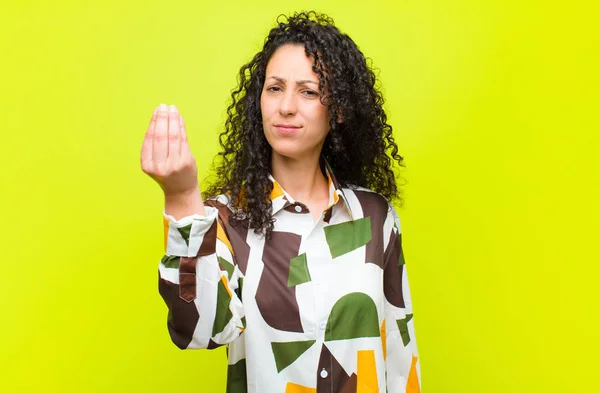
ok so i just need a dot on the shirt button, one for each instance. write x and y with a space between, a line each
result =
323 325
298 208
324 373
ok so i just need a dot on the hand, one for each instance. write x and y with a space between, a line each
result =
166 155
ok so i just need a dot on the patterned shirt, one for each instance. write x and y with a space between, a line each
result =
318 307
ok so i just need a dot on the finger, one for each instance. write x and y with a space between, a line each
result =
185 149
182 129
147 145
160 143
173 134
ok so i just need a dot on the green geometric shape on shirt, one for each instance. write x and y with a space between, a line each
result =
185 233
225 264
403 327
286 353
353 316
298 271
236 377
238 290
170 261
223 314
348 236
401 257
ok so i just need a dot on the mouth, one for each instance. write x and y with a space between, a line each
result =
287 128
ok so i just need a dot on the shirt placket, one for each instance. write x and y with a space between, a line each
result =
321 282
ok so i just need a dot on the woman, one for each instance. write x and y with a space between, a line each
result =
294 259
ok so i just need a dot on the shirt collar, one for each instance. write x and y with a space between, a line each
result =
281 199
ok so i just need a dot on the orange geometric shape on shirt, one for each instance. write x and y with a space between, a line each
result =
412 385
166 232
224 281
382 334
222 237
366 371
276 192
295 388
336 198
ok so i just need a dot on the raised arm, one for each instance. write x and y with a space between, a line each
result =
198 279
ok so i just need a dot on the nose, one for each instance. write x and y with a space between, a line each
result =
287 104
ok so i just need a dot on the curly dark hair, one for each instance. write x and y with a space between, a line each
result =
359 146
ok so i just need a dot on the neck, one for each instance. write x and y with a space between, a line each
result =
302 179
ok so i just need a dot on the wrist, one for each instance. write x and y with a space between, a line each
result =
183 204
183 195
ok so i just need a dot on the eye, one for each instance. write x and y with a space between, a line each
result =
274 88
310 93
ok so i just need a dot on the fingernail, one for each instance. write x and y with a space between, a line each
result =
162 107
172 108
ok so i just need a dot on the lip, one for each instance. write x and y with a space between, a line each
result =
286 128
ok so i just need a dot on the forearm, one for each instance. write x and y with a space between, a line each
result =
204 309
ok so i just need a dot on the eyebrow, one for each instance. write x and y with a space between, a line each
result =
300 82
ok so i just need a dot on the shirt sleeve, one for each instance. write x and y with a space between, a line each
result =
200 282
402 359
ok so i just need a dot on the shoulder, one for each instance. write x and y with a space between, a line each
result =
221 199
366 197
222 203
371 203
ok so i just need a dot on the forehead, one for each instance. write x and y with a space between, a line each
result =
290 60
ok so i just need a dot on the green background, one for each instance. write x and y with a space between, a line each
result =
494 106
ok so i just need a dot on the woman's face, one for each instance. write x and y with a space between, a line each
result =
295 121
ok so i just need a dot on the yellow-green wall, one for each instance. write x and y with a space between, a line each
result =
494 105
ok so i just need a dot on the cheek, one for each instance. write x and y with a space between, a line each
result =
267 106
320 115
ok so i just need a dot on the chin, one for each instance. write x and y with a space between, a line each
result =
290 148
287 152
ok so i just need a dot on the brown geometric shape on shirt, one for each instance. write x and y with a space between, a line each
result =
350 386
183 315
375 206
328 213
336 375
209 242
237 237
275 300
392 275
213 345
187 279
291 207
236 234
224 211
